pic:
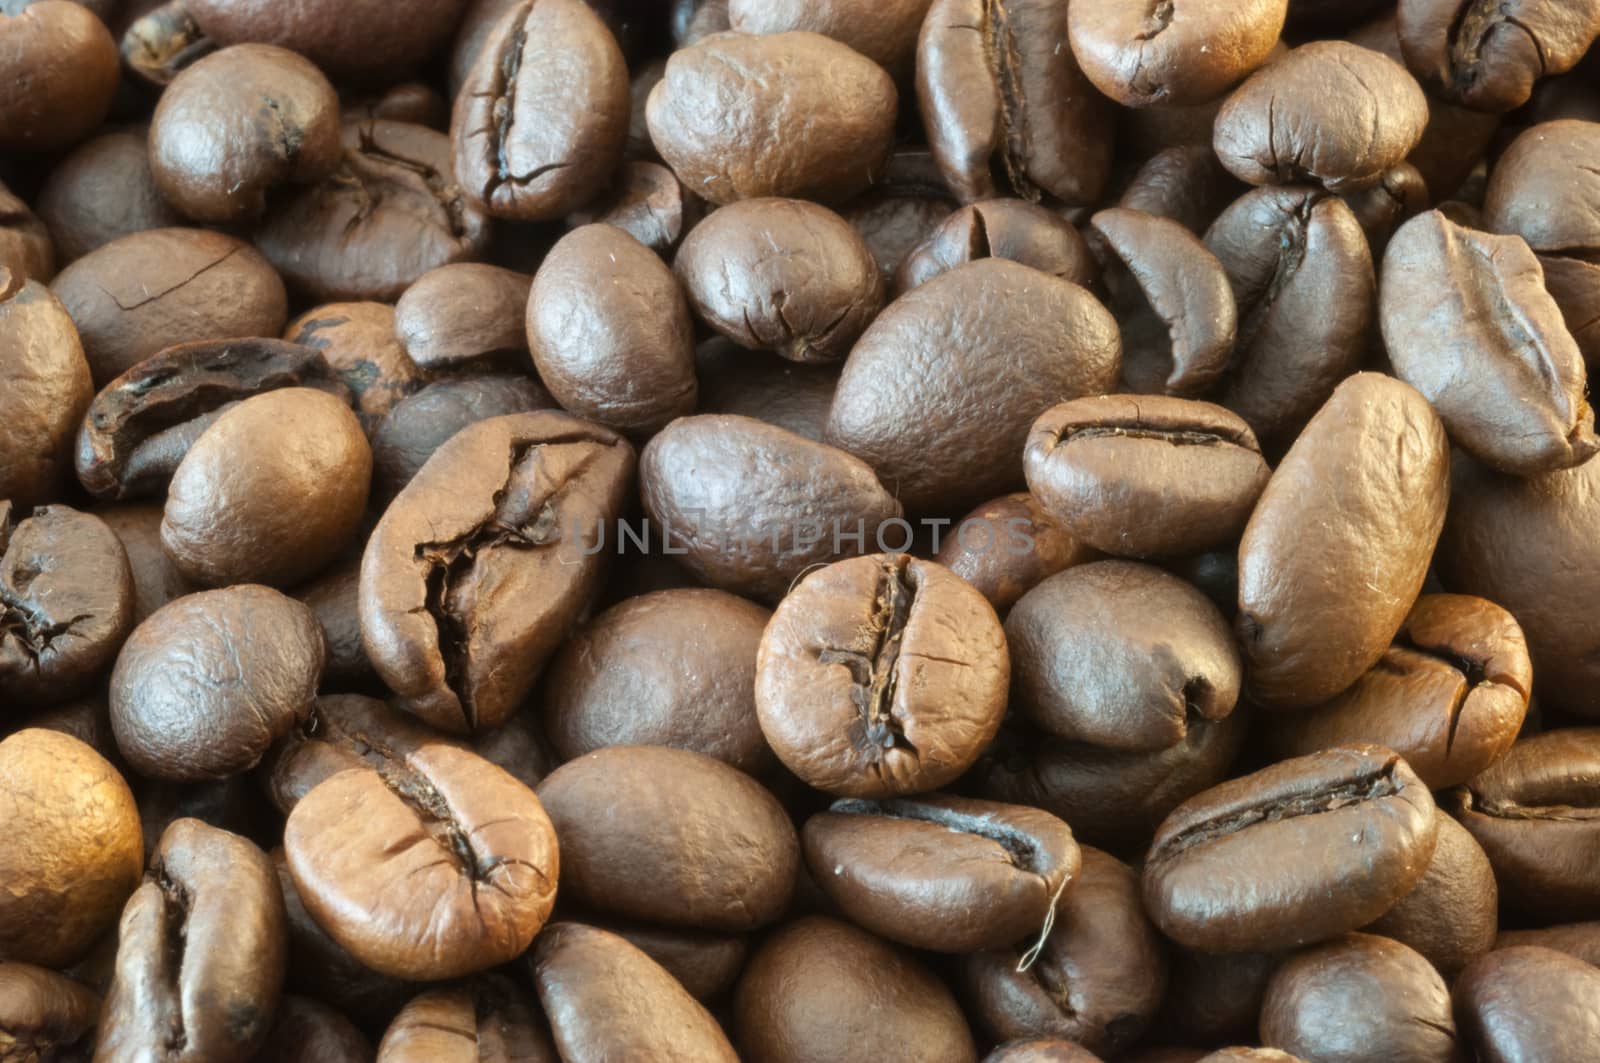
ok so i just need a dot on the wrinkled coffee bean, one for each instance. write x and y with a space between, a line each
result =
462 314
47 389
1175 52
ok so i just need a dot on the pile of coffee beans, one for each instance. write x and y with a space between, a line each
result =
799 531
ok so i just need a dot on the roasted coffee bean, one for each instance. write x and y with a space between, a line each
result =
1360 997
1174 53
58 71
706 964
44 1015
1451 915
836 108
753 506
141 425
809 304
462 314
1293 120
490 1019
201 952
1488 56
1525 544
767 388
881 676
391 211
73 851
1529 1003
1172 300
335 598
1335 553
1449 694
1006 104
605 1000
695 20
47 390
1541 191
673 668
1213 999
892 226
142 293
1185 183
540 122
363 40
1581 940
25 247
1362 826
100 191
409 101
1007 547
470 886
1400 194
477 22
237 124
1468 323
358 342
309 1031
1120 656
990 345
1575 286
647 202
164 42
284 515
421 423
88 719
1145 475
886 33
340 732
610 331
156 580
822 989
1040 1050
1303 283
1001 228
951 874
700 846
1533 811
66 603
1098 978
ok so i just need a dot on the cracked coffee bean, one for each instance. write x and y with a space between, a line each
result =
464 314
139 427
432 864
358 342
490 1019
1006 105
164 42
201 952
881 676
1488 55
1358 817
340 732
950 874
1171 53
47 389
540 121
483 563
1000 228
235 125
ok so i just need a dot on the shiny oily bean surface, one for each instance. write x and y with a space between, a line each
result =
1362 826
1008 546
1013 229
950 874
47 390
1452 914
58 74
463 313
1145 475
880 676
1529 1003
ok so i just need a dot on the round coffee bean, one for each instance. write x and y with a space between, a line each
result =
1540 190
1451 915
58 72
46 394
1172 54
1000 228
1529 1003
881 676
1007 547
462 314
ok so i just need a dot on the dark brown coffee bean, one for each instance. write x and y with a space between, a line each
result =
1007 547
886 33
421 423
1468 323
948 377
1451 915
1099 977
881 676
284 515
100 191
753 506
490 1019
540 122
1173 53
1580 940
1185 183
364 40
73 852
1541 191
468 890
1449 695
821 989
1526 545
1294 120
1361 820
142 424
460 601
142 293
25 247
837 109
647 202
671 837
1575 286
335 599
66 603
237 124
607 1000
1120 656
1214 999
1529 1003
463 313
1488 56
358 342
164 42
766 388
892 226
1303 283
47 391
409 101
610 331
673 668
1001 228
1334 556
1399 195
1007 105
58 71
309 1031
156 580
340 732
1040 1050
950 874
1147 475
45 1015
391 211
201 953
1360 996
705 964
